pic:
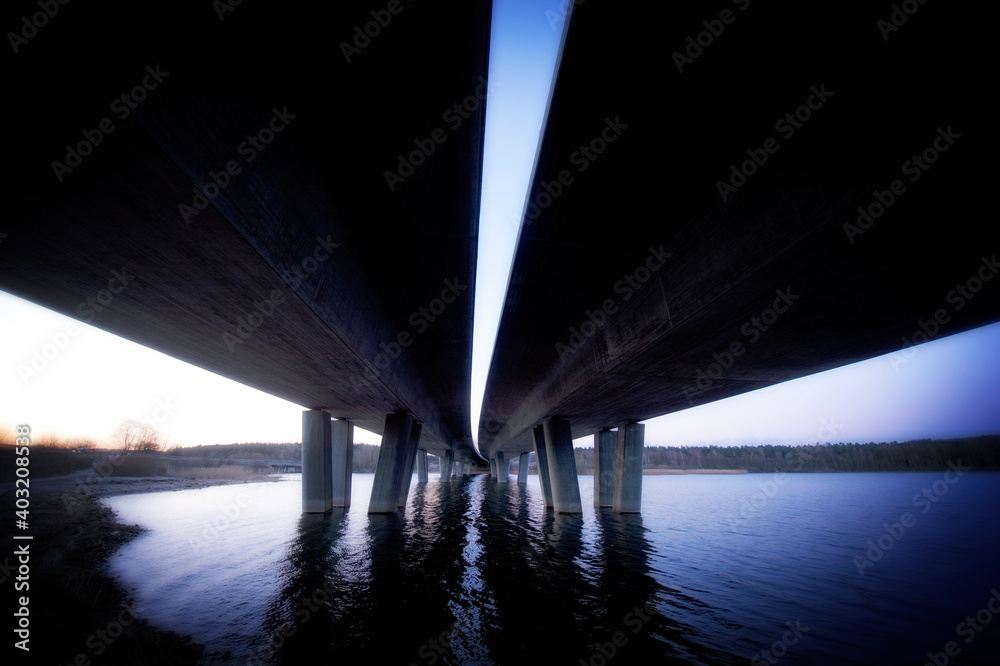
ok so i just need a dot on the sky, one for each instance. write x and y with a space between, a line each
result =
67 379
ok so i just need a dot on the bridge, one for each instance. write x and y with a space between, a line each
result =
729 196
725 197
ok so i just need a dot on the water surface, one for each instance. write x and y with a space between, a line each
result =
877 568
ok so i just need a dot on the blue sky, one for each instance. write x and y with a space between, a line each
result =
948 387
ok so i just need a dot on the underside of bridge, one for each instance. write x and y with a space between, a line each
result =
285 195
733 195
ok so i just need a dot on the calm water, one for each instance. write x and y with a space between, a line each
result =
715 570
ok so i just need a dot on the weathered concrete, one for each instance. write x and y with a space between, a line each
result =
409 457
421 466
242 248
317 465
605 444
766 271
342 461
522 468
503 467
447 461
562 466
628 468
493 467
391 462
542 459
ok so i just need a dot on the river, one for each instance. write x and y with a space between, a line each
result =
874 568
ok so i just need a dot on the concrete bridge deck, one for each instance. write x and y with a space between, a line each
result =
733 195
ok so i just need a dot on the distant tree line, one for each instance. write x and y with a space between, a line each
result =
925 454
365 455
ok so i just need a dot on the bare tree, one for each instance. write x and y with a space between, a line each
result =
133 435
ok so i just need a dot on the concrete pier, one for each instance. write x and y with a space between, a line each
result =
493 467
562 466
628 468
409 457
542 458
317 462
421 466
605 448
391 462
522 468
447 461
503 467
342 461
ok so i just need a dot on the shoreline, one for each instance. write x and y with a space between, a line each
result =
79 613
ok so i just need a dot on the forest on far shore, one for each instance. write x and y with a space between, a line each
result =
925 454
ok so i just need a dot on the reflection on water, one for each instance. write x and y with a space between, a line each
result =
476 572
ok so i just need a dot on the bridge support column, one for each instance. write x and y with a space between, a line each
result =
503 467
317 462
522 468
562 466
628 468
542 458
447 461
391 462
605 449
342 450
493 467
409 456
421 466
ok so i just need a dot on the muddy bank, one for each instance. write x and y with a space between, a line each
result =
78 613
